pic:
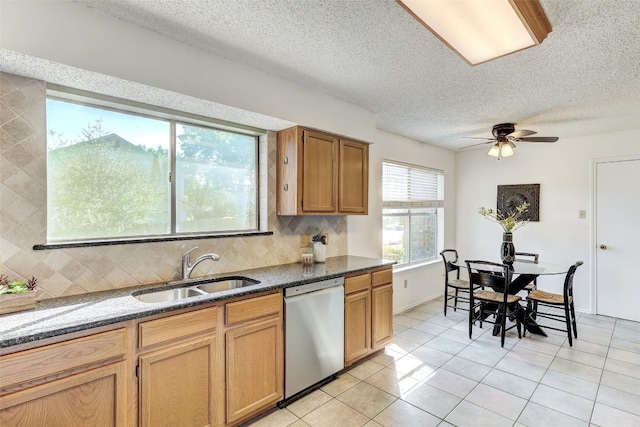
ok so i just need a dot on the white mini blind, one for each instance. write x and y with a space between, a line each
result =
410 186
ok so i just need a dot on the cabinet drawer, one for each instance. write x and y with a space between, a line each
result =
53 359
177 326
357 283
382 277
253 308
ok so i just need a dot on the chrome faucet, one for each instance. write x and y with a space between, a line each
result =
187 267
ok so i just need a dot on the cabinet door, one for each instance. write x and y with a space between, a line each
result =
92 398
382 315
320 173
177 384
357 326
353 177
255 367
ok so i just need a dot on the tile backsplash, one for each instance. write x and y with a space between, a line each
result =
62 272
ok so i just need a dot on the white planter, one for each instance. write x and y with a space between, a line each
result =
319 252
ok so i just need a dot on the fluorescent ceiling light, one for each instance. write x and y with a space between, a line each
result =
481 30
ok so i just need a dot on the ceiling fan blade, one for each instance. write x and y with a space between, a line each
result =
539 139
475 145
520 133
478 137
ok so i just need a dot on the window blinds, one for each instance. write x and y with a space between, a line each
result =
410 186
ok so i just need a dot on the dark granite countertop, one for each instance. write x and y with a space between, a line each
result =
54 317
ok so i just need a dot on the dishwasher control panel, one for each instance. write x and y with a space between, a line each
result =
314 286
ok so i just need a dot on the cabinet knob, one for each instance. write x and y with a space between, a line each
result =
285 160
285 187
603 247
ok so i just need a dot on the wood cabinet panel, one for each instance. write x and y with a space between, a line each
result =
92 398
320 173
255 363
177 385
353 177
382 277
170 328
382 316
357 322
253 308
357 283
53 359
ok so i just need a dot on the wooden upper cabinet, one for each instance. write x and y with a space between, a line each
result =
353 177
321 174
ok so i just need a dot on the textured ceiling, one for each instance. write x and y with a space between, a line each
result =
583 79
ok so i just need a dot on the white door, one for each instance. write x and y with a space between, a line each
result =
617 227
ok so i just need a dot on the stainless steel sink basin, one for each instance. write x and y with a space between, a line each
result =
169 295
226 283
196 288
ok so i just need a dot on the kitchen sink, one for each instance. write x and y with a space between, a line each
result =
169 295
226 283
196 288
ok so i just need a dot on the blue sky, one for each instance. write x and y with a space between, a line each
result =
69 119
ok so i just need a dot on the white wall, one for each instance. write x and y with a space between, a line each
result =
365 233
563 171
64 34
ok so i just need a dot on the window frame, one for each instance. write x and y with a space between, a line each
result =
175 118
414 207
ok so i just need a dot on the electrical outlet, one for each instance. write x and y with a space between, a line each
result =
406 283
305 240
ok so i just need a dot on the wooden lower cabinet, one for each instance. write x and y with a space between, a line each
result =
357 325
368 313
382 316
92 398
254 368
177 385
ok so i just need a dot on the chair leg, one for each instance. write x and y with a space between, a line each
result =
446 298
455 301
573 320
567 315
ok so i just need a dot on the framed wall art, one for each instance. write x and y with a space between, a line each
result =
510 196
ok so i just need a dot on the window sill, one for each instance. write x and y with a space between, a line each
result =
154 239
409 267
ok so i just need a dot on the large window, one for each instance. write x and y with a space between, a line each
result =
119 171
412 214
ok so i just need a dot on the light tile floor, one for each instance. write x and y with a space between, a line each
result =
434 375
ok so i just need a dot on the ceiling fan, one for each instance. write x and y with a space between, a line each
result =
505 136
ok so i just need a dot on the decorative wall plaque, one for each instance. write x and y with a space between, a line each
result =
510 196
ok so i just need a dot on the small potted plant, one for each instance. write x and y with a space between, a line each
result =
319 240
17 295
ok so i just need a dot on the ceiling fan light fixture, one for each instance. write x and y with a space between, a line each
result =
468 27
495 150
507 150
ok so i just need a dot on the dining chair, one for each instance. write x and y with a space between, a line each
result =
485 303
452 281
556 302
531 257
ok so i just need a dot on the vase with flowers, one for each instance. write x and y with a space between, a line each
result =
510 221
319 242
17 295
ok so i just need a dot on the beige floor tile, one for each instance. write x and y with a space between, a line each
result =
335 413
570 384
451 383
535 415
391 381
365 369
606 416
342 383
308 403
510 383
624 355
431 399
403 414
276 418
621 367
467 368
466 414
367 399
582 357
413 367
561 401
446 345
416 336
619 399
576 369
497 401
621 382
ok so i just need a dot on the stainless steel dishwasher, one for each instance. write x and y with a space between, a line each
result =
314 331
